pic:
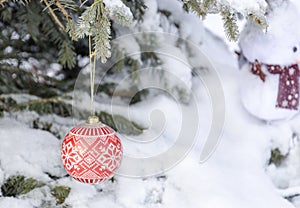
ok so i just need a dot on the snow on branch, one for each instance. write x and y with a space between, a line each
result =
252 9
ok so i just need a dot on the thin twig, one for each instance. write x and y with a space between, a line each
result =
55 99
62 9
54 15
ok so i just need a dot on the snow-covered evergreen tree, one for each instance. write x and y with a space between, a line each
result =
60 22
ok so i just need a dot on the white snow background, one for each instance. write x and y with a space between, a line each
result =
237 175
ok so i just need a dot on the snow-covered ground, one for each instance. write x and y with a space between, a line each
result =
236 175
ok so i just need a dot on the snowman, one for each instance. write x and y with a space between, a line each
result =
269 73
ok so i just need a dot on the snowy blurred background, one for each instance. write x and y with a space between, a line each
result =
256 164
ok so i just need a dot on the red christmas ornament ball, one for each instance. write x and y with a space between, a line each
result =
91 152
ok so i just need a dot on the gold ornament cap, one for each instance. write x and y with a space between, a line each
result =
92 120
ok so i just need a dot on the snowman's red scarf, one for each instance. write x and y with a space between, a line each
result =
288 89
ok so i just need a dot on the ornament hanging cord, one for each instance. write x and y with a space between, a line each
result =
92 76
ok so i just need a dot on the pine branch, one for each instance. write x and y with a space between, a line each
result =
66 54
229 15
63 5
42 106
95 22
33 19
63 10
18 185
194 5
102 34
118 14
70 29
230 23
40 101
83 28
137 8
258 18
60 193
208 5
48 6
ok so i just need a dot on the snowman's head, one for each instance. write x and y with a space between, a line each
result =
280 43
